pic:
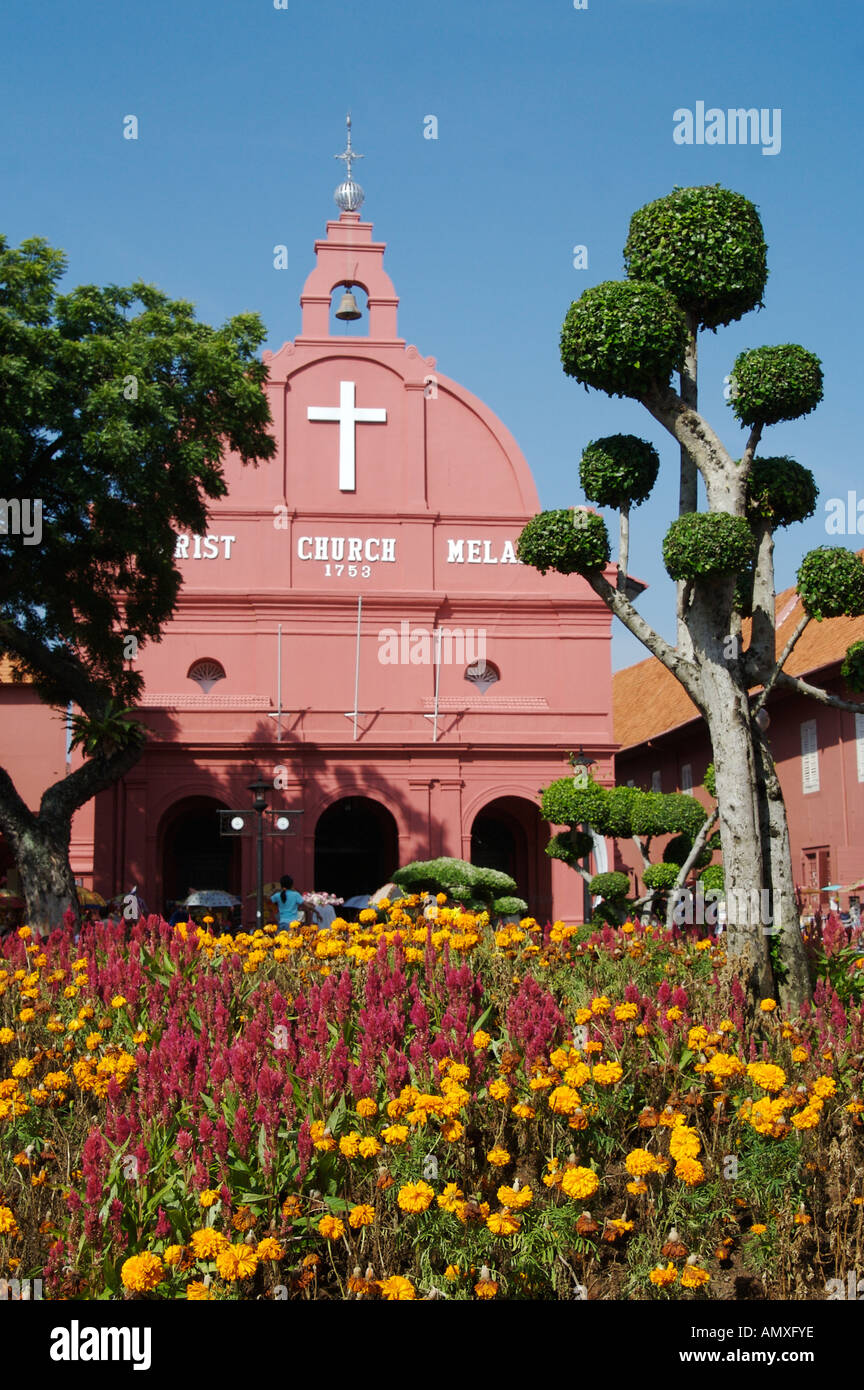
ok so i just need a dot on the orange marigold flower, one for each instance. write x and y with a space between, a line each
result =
639 1162
396 1289
415 1197
660 1276
607 1073
693 1277
499 1158
270 1249
362 1215
579 1183
366 1108
142 1273
690 1170
237 1262
331 1227
503 1223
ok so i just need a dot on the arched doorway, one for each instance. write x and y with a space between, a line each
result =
194 854
509 834
356 847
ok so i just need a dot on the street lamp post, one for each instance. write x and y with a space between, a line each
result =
252 822
259 806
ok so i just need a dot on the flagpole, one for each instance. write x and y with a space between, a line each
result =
357 664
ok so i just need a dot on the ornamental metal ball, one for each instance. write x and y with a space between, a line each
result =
349 196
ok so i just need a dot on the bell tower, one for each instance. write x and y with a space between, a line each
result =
348 256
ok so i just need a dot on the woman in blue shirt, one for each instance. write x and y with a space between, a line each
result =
288 901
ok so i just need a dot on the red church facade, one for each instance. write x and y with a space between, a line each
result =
354 630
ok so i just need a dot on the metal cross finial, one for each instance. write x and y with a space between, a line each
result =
349 154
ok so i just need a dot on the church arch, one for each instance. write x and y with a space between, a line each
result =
356 846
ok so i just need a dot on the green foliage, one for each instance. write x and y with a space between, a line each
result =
702 545
621 811
709 781
564 804
678 850
619 470
508 907
660 876
567 541
780 491
852 669
455 877
830 583
614 887
570 846
704 245
116 409
624 337
775 383
713 878
104 733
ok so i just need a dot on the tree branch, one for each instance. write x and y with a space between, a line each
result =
784 656
623 609
15 815
95 775
695 435
750 447
623 546
761 651
815 692
59 666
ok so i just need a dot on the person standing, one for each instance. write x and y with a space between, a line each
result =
288 902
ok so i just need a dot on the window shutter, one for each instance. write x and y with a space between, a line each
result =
656 785
859 745
809 757
687 778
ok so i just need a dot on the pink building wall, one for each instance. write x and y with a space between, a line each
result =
826 825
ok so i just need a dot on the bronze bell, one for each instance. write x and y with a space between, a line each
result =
348 307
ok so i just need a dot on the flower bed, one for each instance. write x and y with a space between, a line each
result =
400 1108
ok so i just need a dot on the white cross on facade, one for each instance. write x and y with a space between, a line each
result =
348 415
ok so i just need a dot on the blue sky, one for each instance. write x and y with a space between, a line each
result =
554 125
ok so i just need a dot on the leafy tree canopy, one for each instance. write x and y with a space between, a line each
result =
830 583
775 383
619 471
704 245
780 492
116 406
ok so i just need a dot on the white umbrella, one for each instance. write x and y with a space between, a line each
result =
211 898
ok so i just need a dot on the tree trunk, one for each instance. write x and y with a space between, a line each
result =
42 856
727 713
793 984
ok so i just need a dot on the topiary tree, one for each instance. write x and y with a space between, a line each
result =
570 541
612 889
478 888
697 259
625 813
619 471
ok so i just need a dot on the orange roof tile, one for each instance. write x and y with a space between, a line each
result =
647 700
